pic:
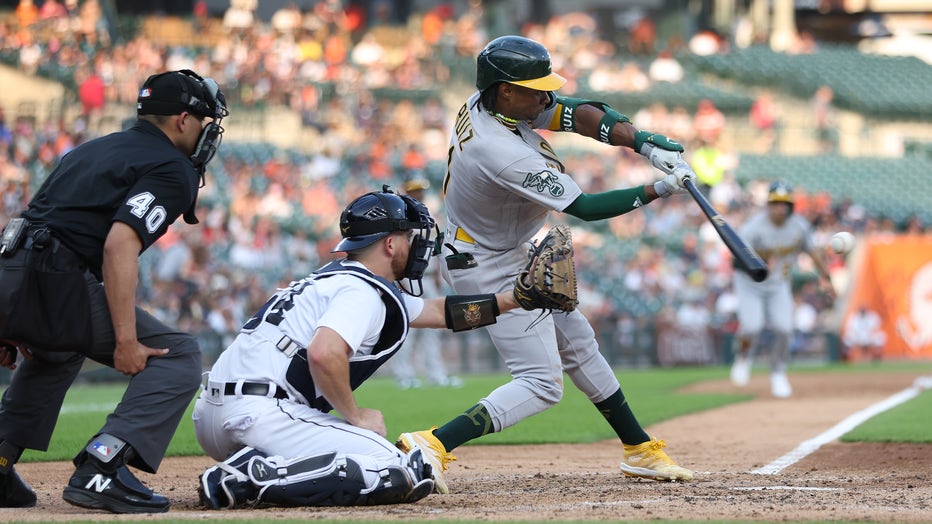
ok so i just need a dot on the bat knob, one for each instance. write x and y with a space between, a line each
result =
758 274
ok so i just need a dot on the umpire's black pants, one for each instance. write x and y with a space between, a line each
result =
152 405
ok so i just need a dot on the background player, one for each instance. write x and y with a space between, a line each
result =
265 409
863 335
778 235
423 345
106 202
503 180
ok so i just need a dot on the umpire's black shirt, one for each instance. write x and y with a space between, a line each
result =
136 176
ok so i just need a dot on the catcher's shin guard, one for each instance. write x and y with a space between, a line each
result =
329 480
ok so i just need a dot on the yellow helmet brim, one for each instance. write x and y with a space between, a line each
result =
551 82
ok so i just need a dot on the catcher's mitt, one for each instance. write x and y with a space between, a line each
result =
549 280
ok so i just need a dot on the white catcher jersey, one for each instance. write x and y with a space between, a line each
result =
487 157
346 304
778 245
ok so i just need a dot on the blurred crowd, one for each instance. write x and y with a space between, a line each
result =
269 215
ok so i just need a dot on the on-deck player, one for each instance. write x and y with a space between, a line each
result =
778 235
502 182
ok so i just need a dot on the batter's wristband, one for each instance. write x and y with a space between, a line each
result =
565 118
465 312
608 122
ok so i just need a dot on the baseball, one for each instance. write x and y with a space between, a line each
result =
842 242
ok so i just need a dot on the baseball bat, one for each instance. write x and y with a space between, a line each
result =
748 259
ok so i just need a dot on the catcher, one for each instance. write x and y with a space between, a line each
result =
503 180
265 411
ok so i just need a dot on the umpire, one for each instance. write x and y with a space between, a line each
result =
68 276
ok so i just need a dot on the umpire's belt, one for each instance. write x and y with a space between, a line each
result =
39 238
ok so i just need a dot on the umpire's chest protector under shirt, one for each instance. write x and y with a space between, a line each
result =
136 176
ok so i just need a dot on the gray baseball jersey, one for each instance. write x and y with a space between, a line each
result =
770 303
778 245
501 182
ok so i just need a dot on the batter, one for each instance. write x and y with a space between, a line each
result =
503 181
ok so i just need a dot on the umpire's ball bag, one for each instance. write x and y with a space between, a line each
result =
44 300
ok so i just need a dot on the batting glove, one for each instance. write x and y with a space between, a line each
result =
672 184
663 153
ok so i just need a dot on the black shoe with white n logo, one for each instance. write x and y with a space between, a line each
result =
119 491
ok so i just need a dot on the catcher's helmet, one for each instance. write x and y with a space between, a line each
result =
516 60
375 215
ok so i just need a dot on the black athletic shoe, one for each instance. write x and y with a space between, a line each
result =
14 492
118 492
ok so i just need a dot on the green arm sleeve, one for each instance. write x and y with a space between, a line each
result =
608 204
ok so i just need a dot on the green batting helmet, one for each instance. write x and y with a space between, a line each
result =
516 60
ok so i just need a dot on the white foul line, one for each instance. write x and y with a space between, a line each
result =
843 427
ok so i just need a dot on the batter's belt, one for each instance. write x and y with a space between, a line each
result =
463 236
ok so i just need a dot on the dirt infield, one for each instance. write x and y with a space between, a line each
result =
874 482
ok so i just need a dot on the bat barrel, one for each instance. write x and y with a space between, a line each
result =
748 259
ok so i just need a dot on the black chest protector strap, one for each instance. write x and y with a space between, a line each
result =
394 330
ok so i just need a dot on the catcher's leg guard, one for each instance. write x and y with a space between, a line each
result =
328 480
322 480
227 485
422 476
399 484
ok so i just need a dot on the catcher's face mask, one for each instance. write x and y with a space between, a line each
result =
422 246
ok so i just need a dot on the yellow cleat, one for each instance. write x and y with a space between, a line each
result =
648 460
432 450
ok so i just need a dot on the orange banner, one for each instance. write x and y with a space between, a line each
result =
895 280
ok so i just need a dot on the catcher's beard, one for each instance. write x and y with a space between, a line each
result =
400 266
399 263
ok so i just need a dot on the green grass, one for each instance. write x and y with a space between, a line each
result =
652 394
909 422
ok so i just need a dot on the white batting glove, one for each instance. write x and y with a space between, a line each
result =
663 152
663 159
672 184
